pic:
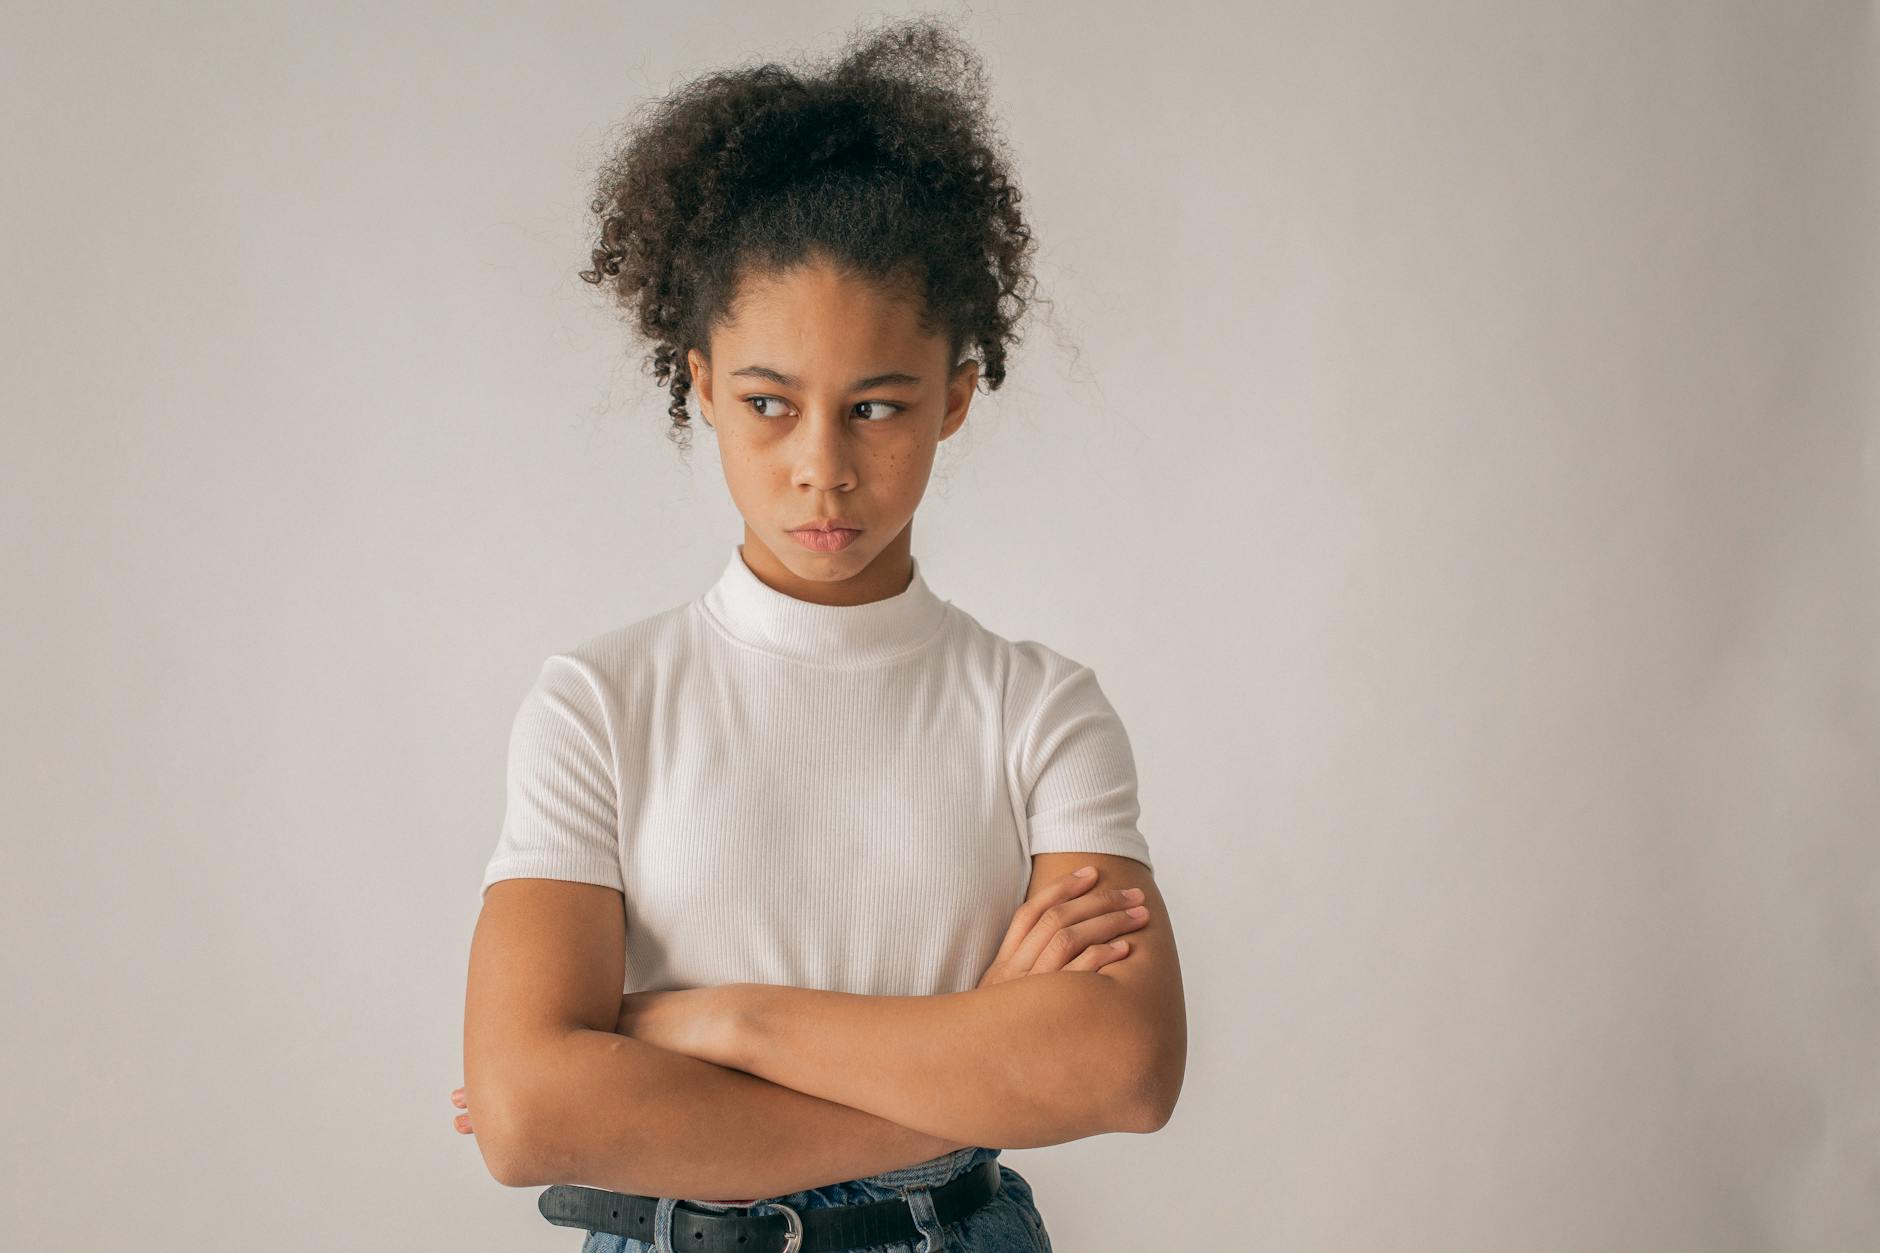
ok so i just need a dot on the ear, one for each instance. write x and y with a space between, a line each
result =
701 371
960 388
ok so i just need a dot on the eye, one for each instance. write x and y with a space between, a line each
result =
756 401
762 400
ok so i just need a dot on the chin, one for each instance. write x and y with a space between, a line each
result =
831 566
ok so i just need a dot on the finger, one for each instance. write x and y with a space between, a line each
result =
457 1099
1066 942
1037 945
462 1124
1098 956
1089 905
1063 888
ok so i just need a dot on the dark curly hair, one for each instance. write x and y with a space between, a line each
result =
885 162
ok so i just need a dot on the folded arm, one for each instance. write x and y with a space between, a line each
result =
558 1097
629 1117
1036 1061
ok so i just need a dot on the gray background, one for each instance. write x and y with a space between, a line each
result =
1453 442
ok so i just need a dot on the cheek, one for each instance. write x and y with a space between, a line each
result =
914 461
899 470
749 459
747 475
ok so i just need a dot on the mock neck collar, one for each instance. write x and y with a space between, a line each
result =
758 615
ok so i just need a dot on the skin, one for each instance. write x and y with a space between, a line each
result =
891 1079
875 1082
819 446
1064 925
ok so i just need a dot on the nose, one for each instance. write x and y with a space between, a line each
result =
823 452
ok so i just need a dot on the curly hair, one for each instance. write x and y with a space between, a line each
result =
885 162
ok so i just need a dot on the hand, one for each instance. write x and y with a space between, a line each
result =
462 1121
1066 927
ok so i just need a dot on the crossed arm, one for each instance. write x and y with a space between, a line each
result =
758 1090
1029 1062
1032 1062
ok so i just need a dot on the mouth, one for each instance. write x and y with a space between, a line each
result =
825 539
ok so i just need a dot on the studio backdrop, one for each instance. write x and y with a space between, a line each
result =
1449 429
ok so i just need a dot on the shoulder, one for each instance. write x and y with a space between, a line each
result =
1027 669
617 659
1050 701
597 681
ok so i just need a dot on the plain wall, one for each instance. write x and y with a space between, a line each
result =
1452 440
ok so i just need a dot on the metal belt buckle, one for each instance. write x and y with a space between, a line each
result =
793 1237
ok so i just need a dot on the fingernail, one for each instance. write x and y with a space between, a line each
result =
1086 872
1140 911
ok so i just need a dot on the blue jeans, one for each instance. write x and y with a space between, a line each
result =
1008 1223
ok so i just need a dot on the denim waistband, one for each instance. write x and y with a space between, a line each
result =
888 1185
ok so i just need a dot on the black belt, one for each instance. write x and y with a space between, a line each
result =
822 1230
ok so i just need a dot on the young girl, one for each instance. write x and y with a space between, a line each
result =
825 822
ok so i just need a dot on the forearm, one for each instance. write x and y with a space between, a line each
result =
624 1115
1029 1062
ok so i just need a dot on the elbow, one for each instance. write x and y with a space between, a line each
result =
1143 1055
500 1123
1148 1109
1152 1085
510 1167
507 1171
1153 1113
538 1127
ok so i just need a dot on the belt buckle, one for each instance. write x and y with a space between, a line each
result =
793 1235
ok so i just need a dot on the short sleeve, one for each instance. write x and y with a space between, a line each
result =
1079 773
561 816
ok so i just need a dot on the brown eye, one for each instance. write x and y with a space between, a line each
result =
881 404
762 400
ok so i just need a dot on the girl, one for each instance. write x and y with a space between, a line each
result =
820 818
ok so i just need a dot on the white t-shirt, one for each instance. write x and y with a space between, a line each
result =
837 797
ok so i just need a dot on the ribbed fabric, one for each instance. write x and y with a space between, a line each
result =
841 797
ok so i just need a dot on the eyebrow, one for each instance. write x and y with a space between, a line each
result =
873 380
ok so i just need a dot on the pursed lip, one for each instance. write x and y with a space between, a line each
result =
827 524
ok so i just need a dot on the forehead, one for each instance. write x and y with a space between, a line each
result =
816 313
